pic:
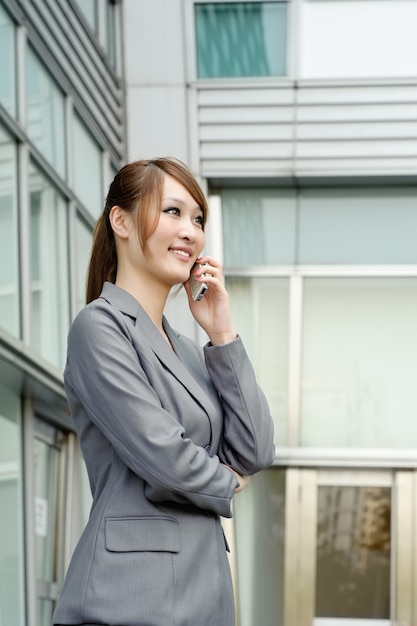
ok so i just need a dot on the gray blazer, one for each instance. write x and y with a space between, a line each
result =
154 425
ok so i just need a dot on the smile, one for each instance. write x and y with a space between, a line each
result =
182 253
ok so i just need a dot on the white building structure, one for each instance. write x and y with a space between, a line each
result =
300 119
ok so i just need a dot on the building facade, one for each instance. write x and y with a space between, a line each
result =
62 136
300 119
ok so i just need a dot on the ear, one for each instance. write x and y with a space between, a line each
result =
119 220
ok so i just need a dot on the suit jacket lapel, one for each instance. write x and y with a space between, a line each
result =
178 359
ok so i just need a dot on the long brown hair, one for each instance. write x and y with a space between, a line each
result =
137 186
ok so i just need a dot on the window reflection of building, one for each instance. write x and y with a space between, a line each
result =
353 552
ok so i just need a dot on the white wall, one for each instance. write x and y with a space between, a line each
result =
357 39
157 114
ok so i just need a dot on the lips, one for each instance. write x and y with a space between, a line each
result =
181 252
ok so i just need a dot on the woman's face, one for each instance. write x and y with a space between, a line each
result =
178 238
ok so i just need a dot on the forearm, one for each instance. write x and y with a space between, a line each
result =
247 443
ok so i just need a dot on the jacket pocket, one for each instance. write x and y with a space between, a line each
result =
142 534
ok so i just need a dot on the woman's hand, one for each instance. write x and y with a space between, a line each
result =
212 312
243 480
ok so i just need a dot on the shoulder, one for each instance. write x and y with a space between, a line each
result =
96 321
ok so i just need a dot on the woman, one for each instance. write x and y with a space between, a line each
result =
169 431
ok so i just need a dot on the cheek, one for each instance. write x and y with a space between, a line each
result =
163 231
201 240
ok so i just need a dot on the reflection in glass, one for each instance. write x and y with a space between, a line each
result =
88 8
8 63
49 269
259 227
9 281
11 536
259 514
46 472
236 39
361 226
359 363
88 179
260 311
45 113
353 552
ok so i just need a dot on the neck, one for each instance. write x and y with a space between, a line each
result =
151 296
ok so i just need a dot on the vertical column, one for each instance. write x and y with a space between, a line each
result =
307 547
29 508
404 502
291 555
300 544
294 359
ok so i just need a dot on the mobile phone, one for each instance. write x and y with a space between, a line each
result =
197 289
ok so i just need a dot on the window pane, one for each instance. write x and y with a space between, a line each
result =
8 63
353 552
49 269
358 226
45 113
359 363
260 312
46 453
88 181
83 250
11 536
88 8
111 38
9 277
241 39
259 227
259 514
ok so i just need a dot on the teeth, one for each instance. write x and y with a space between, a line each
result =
181 253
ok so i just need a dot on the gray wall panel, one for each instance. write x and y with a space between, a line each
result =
309 129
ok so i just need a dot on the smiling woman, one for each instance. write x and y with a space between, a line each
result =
169 431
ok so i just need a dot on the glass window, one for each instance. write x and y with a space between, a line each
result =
45 113
47 451
88 8
366 226
49 269
259 226
84 238
353 553
9 274
11 536
259 514
359 363
241 39
371 226
8 63
87 166
111 38
260 312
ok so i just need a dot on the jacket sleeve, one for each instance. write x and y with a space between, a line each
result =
105 375
248 433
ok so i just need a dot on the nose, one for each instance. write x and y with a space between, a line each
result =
187 230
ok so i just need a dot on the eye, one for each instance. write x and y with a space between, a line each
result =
200 220
172 210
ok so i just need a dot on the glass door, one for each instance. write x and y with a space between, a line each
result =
349 560
353 553
49 455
